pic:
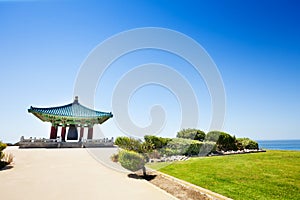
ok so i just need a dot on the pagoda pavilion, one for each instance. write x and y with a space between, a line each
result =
73 116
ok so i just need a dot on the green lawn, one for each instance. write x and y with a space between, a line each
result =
270 175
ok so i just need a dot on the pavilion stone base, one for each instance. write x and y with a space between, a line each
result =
52 143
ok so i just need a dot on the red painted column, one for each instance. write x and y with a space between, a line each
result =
63 133
90 133
53 133
81 133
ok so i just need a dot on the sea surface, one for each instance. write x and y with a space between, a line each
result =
279 144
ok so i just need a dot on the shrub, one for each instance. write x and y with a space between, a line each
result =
207 148
168 151
193 134
181 146
154 154
5 159
2 147
130 144
247 143
194 148
146 147
239 144
156 142
132 161
226 142
212 136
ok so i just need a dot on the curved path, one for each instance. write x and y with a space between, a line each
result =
69 174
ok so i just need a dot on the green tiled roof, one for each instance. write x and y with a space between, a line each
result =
70 110
73 110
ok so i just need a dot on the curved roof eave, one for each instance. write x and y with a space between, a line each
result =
73 111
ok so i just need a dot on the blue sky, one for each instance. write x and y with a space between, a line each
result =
255 45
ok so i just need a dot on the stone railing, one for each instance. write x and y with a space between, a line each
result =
103 140
23 140
57 143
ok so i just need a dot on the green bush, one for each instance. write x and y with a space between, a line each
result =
248 143
146 147
212 136
130 144
207 147
154 154
168 151
156 142
226 142
5 159
181 146
1 155
239 145
2 147
193 134
131 160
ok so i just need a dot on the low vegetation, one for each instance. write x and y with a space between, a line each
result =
132 161
193 134
189 142
5 159
227 142
156 142
181 146
270 175
130 144
246 143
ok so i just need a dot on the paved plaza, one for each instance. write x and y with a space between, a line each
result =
70 174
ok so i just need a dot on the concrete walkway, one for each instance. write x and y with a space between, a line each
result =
69 174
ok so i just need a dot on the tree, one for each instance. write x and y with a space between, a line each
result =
193 134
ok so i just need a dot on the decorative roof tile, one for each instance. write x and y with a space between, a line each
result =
72 110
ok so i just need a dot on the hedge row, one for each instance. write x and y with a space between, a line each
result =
214 141
224 141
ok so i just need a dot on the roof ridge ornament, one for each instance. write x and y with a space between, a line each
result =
76 100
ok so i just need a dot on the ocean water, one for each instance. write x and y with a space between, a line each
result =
279 144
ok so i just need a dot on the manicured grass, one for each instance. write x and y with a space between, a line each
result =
270 175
